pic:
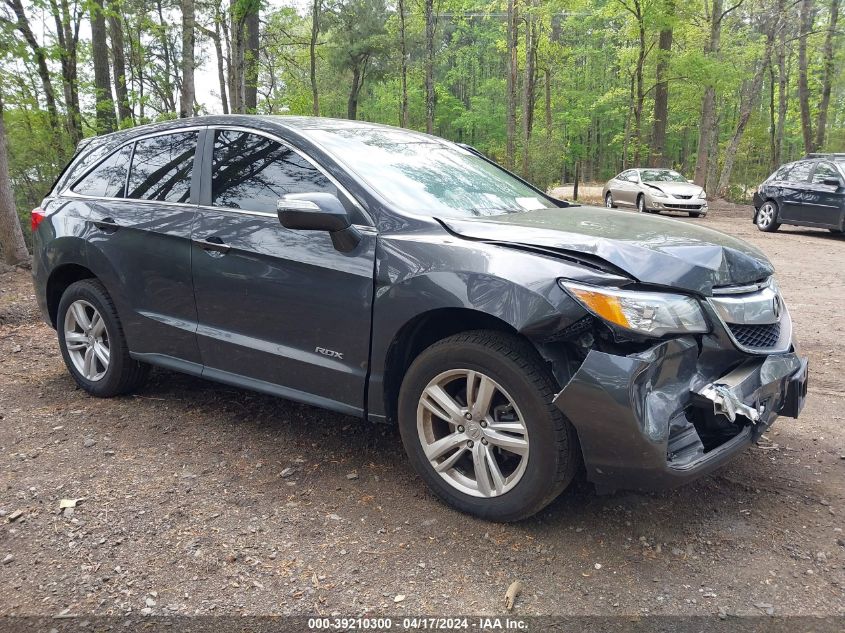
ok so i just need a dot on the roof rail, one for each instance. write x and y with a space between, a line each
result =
825 155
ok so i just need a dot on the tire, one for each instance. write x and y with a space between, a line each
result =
766 218
608 201
694 214
641 204
530 480
118 373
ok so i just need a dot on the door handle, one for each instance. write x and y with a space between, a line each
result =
106 224
213 244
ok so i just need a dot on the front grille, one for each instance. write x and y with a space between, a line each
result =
756 336
680 197
685 207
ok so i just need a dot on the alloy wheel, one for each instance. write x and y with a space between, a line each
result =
766 215
87 340
608 201
472 433
641 204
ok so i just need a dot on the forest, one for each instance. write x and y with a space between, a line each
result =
555 90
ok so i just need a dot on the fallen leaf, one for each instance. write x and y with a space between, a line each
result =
513 591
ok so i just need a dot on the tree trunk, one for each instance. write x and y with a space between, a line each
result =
352 103
528 86
221 71
547 84
11 235
403 106
806 25
661 93
316 9
106 121
67 34
167 89
708 135
828 74
124 112
638 109
783 94
429 66
186 101
251 52
40 62
747 103
513 69
236 61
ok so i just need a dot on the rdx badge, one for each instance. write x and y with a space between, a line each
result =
329 352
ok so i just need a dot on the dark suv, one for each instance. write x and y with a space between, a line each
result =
389 274
809 192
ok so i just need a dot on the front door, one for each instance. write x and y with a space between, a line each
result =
794 192
140 242
279 310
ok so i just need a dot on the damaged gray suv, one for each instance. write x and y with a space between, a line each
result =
392 275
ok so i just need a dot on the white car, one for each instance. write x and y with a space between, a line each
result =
655 190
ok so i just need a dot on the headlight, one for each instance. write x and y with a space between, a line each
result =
650 313
703 194
656 193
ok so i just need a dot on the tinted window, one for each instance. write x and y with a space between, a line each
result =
108 179
782 173
825 171
252 172
161 167
800 172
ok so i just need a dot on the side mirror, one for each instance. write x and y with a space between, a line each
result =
319 212
832 182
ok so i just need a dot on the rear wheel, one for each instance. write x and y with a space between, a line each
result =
608 201
92 342
478 424
767 217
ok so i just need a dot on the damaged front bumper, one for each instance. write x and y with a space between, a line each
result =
659 418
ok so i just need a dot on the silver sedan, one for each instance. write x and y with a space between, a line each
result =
655 190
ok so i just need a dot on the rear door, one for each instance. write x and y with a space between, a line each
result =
279 310
793 192
824 203
142 204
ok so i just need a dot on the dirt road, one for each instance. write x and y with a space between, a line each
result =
196 498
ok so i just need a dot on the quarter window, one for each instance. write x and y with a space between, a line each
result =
252 172
782 173
108 179
162 167
800 172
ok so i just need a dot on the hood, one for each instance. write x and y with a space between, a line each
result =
650 249
675 188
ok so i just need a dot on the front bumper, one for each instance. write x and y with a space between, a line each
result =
691 205
647 421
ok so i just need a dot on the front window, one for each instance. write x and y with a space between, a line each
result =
661 175
420 174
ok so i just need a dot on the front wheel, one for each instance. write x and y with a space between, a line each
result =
641 204
478 424
93 344
608 201
767 217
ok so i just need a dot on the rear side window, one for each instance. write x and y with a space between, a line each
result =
108 179
251 172
800 172
825 171
162 167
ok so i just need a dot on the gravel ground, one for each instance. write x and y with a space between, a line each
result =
196 498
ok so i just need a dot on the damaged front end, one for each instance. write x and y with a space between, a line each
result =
658 418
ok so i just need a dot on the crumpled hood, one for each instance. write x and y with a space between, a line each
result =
675 188
649 248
